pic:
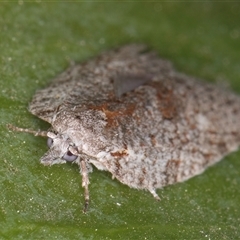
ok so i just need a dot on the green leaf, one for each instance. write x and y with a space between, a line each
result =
38 41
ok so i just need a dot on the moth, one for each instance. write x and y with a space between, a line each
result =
131 113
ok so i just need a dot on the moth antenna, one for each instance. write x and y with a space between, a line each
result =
85 183
26 130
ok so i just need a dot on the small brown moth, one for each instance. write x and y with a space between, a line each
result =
130 113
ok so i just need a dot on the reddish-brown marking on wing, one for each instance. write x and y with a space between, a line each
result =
120 153
167 101
114 112
153 140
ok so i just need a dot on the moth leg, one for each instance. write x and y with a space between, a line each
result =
35 133
155 195
85 183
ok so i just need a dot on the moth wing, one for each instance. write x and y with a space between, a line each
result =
152 168
108 76
172 134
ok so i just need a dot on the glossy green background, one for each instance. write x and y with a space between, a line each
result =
38 41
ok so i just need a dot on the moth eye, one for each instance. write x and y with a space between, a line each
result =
68 156
49 142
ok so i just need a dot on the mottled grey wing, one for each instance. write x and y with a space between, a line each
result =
108 76
170 130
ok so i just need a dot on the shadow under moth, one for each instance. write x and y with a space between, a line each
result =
131 113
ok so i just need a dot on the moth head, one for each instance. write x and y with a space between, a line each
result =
61 149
